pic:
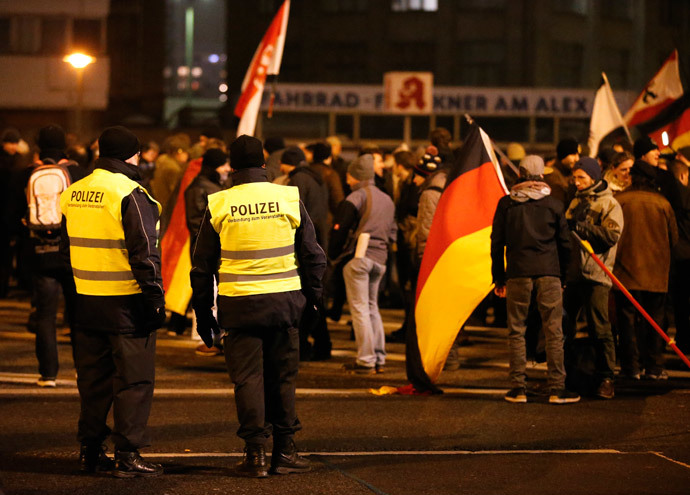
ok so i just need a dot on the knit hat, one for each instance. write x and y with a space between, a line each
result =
590 166
643 145
429 163
214 158
118 142
11 136
515 152
272 144
246 152
321 151
362 167
51 137
532 166
567 146
293 156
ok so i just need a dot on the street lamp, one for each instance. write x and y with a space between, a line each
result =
79 61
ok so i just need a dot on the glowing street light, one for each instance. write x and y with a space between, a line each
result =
79 61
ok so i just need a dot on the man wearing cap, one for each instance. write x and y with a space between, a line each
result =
529 231
647 155
314 195
363 228
258 239
559 179
110 237
596 217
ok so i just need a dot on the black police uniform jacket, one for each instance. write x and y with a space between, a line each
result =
136 313
274 310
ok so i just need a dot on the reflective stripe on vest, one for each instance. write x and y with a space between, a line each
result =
99 256
256 223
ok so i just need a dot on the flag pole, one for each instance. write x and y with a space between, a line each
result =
671 342
625 126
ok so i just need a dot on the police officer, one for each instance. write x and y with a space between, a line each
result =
258 239
110 235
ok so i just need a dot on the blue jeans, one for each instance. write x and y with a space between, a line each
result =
550 304
362 279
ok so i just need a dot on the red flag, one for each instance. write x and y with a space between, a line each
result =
664 88
266 62
455 274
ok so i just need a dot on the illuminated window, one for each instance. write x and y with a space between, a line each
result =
408 5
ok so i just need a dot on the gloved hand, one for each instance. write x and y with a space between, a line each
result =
207 327
155 317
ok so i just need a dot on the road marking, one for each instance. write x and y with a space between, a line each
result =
659 454
365 453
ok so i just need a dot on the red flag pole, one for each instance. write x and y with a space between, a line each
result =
671 342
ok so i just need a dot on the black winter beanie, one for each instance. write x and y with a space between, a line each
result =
214 158
246 152
118 142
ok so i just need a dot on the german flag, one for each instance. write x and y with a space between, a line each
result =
455 274
175 261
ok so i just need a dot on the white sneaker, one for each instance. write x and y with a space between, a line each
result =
46 382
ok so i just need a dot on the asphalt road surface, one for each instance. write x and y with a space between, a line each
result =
466 441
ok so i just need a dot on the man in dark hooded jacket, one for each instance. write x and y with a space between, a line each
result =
529 227
314 194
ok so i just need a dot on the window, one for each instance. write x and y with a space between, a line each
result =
566 64
482 4
412 56
381 127
419 127
614 62
344 125
5 40
505 128
409 5
27 38
53 36
344 62
574 128
620 9
344 5
481 63
87 35
267 7
579 7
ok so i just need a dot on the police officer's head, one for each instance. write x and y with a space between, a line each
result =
119 143
246 152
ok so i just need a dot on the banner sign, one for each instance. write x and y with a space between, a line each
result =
408 93
448 100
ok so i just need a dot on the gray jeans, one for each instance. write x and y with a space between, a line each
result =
362 279
550 304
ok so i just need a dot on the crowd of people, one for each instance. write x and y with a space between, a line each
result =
256 245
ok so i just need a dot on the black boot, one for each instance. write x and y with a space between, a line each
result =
253 463
131 465
92 458
285 459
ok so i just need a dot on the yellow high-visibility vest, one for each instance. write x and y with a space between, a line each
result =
256 223
93 210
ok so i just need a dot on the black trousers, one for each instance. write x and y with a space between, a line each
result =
115 370
263 364
680 279
641 347
47 286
